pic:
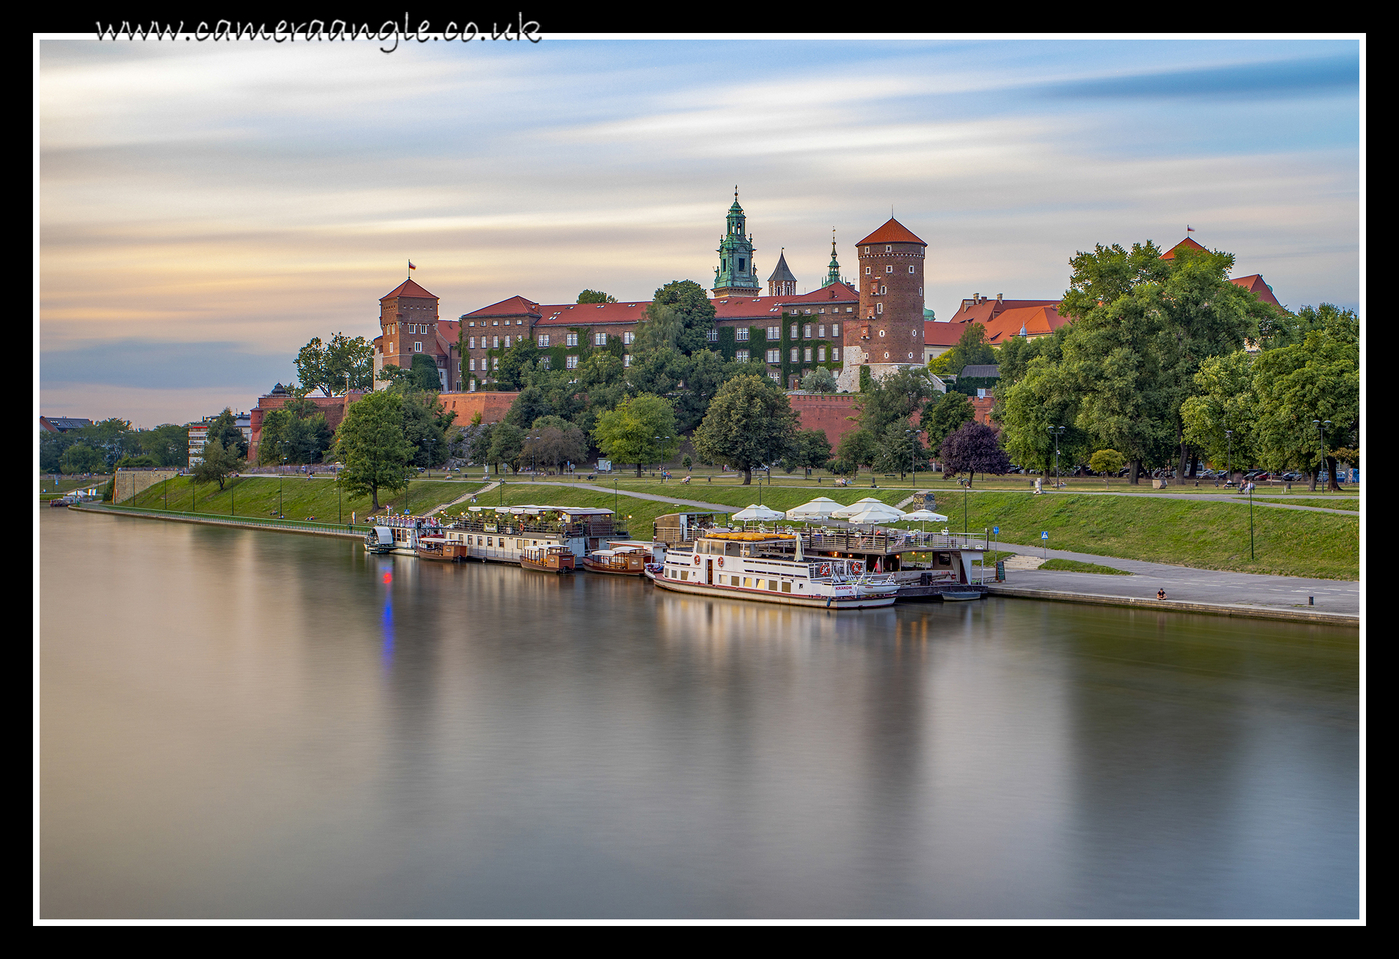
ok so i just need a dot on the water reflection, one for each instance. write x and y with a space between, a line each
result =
247 724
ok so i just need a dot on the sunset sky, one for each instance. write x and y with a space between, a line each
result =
205 209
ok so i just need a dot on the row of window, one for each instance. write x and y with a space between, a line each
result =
545 362
570 339
888 269
806 355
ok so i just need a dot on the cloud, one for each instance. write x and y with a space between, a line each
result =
154 364
1245 81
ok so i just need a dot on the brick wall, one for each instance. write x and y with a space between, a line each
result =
491 405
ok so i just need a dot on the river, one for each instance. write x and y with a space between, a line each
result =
246 724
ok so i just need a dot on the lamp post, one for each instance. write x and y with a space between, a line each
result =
281 478
1229 463
1325 478
1056 431
913 453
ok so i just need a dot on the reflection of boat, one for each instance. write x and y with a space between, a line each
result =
619 561
548 559
379 539
771 568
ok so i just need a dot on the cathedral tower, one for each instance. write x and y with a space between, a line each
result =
736 275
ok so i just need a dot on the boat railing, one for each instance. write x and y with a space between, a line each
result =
888 541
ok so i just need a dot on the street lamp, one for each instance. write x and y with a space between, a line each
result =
1325 478
1229 463
281 478
913 453
1057 431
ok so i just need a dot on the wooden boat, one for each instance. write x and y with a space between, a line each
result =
440 548
618 562
548 559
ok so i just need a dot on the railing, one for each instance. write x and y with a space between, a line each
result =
223 519
854 541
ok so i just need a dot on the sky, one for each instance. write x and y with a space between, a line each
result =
205 208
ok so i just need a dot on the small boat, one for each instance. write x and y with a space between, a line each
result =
440 548
379 539
958 596
619 561
548 559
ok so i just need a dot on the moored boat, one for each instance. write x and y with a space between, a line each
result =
440 549
548 559
771 568
618 561
379 539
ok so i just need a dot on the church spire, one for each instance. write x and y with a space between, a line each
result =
736 275
833 269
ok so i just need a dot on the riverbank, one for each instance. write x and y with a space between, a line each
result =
1296 599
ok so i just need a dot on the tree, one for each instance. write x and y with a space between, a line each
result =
326 366
970 349
225 429
942 417
750 422
425 425
595 296
896 398
219 462
371 446
810 450
856 448
682 315
899 451
167 443
819 380
1301 385
641 429
1106 462
506 446
972 449
82 458
1221 418
554 440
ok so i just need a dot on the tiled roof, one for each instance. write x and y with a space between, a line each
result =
1254 284
514 306
407 288
981 371
591 314
891 232
1185 244
1029 320
782 272
983 309
942 334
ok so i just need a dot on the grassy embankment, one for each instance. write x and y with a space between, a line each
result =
1206 535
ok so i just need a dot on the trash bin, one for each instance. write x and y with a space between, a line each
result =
1000 571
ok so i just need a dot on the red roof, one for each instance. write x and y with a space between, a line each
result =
515 306
591 314
891 232
1254 284
1185 244
407 288
1032 320
942 334
984 309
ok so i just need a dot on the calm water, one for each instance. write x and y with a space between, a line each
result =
250 724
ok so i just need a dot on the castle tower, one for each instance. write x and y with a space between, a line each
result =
888 333
782 282
408 326
736 275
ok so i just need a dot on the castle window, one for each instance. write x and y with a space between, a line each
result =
507 342
867 271
883 290
835 329
473 366
544 362
417 347
888 249
888 269
495 342
628 338
741 356
571 340
543 340
626 360
740 264
571 362
774 332
794 354
807 332
599 339
774 357
821 331
880 310
794 332
741 334
712 335
807 356
835 353
820 354
495 362
910 268
471 342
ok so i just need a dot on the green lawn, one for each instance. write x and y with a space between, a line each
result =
1201 534
1074 566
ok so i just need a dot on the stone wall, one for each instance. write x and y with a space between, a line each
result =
128 483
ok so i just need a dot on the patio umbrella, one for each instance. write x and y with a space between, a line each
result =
845 511
876 513
925 516
818 509
754 512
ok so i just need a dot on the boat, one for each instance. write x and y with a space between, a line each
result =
618 561
379 539
771 568
440 549
548 559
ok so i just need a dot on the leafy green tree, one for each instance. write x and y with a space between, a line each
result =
972 449
970 349
810 450
553 440
168 444
658 371
942 417
82 458
425 425
219 462
679 316
896 398
330 367
595 296
899 451
640 430
507 446
516 363
1297 386
225 429
1106 462
371 446
750 422
856 448
1221 418
819 380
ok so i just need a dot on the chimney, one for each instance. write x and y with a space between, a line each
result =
998 297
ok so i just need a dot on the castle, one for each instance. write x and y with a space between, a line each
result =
837 326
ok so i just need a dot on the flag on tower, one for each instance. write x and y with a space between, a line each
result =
1188 229
412 267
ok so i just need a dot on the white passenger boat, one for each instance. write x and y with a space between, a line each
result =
770 568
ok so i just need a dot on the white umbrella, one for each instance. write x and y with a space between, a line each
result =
845 511
758 513
819 508
925 516
875 513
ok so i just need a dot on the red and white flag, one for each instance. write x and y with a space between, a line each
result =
1188 229
412 267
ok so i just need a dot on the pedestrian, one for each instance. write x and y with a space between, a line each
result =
1161 593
